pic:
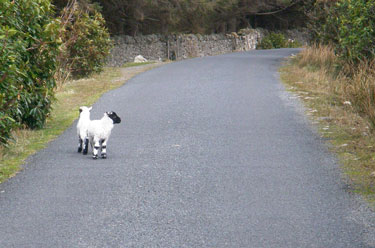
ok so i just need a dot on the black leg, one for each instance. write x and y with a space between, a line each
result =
79 145
95 151
104 149
104 152
86 147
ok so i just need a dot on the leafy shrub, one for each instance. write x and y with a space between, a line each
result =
86 41
356 29
28 45
277 40
317 13
349 26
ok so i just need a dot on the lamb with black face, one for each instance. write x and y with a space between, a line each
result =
98 133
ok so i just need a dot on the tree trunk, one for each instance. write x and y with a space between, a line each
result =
232 24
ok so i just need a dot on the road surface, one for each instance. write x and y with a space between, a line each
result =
211 152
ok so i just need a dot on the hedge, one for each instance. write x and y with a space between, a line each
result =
29 42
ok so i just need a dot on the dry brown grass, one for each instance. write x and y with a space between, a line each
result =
360 89
319 56
354 84
342 106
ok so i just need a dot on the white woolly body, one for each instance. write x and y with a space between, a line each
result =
100 129
98 133
83 122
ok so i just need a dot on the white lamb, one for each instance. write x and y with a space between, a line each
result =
82 125
98 133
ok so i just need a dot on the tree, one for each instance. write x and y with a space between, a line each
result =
86 41
199 16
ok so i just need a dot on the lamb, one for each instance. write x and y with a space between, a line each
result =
98 133
83 123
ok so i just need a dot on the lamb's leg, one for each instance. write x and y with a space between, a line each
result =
91 143
85 146
104 149
95 149
79 144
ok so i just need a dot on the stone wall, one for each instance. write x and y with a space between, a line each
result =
152 47
182 46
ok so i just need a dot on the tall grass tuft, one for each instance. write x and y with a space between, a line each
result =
318 56
347 82
360 89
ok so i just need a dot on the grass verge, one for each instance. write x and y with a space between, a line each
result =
332 104
132 64
69 98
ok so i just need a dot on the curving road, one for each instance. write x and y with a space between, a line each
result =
211 152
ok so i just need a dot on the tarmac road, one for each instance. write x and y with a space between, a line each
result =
211 152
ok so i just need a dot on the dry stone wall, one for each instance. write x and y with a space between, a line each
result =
181 46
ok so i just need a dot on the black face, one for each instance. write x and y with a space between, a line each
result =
114 117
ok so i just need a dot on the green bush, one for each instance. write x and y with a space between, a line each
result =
28 45
350 27
86 41
356 29
277 40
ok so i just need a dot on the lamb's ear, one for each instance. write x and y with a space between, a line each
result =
80 110
90 108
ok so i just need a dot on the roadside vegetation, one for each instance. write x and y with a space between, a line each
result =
342 108
69 97
132 64
51 62
277 40
336 79
39 53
